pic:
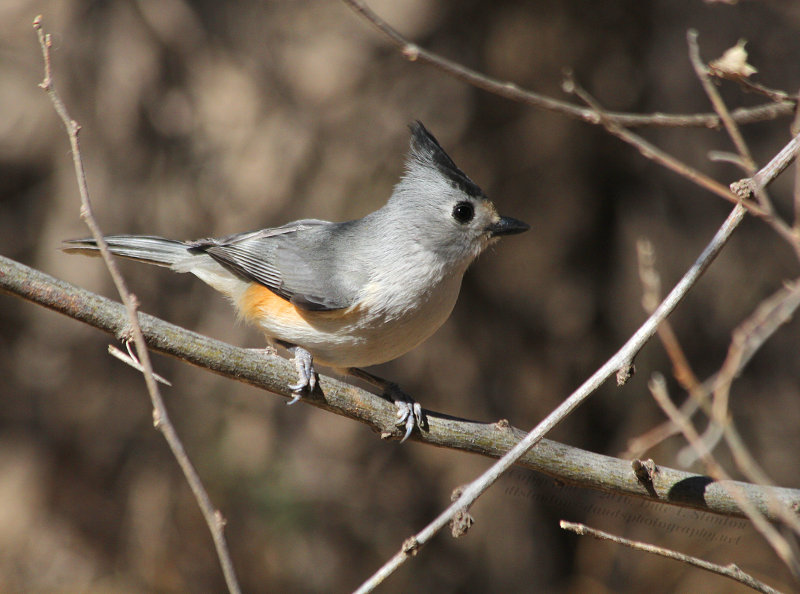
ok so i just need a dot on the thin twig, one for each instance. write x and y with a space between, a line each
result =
652 152
775 539
161 420
509 90
745 158
747 188
775 95
718 417
681 369
730 571
651 297
740 192
751 469
719 105
777 165
747 339
129 358
796 191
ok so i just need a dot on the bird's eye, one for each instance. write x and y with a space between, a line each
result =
463 212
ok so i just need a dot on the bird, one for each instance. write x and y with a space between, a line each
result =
347 294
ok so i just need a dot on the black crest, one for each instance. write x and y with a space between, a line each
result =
427 150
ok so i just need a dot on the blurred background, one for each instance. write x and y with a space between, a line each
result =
206 118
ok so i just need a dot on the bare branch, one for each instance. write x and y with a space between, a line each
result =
745 158
652 152
719 105
129 358
748 338
681 369
161 419
796 191
746 188
730 571
273 373
509 90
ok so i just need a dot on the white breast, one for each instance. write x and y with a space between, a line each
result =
397 310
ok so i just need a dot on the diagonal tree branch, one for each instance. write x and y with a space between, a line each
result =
622 359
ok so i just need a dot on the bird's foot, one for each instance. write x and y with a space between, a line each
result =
306 374
409 412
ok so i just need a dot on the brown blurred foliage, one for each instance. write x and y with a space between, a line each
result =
205 118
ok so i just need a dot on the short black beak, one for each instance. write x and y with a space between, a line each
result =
507 226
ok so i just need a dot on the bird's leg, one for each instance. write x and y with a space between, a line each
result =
409 412
306 374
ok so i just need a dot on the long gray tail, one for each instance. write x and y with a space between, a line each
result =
144 248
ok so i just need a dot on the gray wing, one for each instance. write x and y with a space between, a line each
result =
296 261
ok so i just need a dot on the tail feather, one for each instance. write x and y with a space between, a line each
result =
143 248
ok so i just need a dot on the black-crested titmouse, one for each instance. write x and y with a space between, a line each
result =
349 294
